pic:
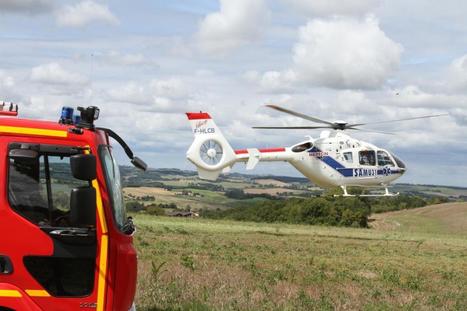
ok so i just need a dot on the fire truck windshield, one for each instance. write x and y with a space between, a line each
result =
114 185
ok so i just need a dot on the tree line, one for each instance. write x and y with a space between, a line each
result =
325 210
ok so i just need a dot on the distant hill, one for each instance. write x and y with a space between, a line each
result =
163 176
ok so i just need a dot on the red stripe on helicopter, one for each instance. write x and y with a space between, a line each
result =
9 113
198 115
264 150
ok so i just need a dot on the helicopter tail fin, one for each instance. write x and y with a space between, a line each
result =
210 151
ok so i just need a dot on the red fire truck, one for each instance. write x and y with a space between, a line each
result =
66 243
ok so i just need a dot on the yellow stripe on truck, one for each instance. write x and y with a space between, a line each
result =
103 250
32 131
100 208
101 282
37 293
102 273
10 293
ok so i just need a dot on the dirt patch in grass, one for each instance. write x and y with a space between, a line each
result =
271 191
142 191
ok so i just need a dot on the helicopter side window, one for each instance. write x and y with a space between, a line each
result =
367 157
348 156
384 159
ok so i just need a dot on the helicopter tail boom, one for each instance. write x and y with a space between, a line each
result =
212 154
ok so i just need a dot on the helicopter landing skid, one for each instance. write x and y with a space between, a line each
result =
385 194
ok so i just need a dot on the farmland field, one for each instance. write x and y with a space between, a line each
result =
411 260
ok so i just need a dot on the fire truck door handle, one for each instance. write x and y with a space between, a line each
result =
6 267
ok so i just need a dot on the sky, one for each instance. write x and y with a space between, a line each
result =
144 63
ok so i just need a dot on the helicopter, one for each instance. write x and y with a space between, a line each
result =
333 160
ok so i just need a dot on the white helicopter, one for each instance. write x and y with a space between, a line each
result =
332 160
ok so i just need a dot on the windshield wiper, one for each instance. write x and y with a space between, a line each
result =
67 232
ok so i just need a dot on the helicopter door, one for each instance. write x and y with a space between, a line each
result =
367 157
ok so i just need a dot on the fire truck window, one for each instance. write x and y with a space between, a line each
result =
384 159
25 193
367 157
28 191
348 157
114 184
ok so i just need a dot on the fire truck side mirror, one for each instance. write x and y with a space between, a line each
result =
83 166
138 163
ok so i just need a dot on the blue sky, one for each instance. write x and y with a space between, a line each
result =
145 63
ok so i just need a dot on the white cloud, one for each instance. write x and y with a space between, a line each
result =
345 53
237 23
272 81
332 7
167 95
8 88
6 81
458 73
131 92
26 6
355 103
128 59
412 96
83 13
171 88
54 73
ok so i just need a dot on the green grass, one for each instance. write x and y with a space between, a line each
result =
197 264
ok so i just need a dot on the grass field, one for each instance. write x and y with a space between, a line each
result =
410 260
209 199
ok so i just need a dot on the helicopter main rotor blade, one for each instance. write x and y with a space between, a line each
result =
300 115
291 127
369 131
399 120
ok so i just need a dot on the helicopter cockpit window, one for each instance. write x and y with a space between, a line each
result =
398 161
302 147
348 157
367 157
384 159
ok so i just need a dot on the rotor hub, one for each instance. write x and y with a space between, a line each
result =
212 153
340 125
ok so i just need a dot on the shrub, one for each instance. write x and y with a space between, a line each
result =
329 211
155 210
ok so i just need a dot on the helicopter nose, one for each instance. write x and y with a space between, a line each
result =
400 164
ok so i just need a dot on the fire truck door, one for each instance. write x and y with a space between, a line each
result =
54 254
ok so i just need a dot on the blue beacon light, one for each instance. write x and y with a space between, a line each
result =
67 115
